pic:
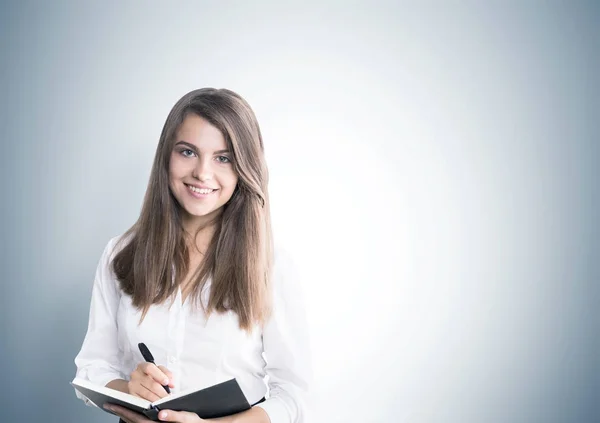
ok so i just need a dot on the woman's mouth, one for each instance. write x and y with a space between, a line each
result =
199 192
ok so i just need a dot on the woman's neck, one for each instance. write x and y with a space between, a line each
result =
198 238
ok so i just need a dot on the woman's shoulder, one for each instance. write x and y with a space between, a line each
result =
114 245
118 242
284 268
282 257
105 274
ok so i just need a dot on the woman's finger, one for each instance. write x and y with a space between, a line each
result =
156 373
142 391
179 417
169 375
154 388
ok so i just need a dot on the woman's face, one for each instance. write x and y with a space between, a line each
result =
201 173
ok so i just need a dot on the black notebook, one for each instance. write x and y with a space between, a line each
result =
214 401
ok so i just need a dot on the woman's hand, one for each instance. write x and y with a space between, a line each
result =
147 381
164 415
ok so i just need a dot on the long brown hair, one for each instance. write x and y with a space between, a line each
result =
153 259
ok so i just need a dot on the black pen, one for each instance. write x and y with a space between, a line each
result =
148 357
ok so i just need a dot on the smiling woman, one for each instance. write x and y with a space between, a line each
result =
200 168
204 234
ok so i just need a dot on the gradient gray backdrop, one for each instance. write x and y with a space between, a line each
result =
434 173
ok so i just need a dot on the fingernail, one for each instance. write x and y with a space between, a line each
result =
166 382
108 407
163 415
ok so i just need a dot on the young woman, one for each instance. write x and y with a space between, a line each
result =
196 277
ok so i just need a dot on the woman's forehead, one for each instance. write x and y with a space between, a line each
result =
200 133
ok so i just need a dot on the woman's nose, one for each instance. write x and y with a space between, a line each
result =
203 170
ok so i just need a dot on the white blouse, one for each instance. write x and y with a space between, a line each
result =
203 352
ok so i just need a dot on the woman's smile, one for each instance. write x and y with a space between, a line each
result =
198 192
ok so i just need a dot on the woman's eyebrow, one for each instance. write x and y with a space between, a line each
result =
187 144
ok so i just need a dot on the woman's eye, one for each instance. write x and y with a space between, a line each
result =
188 153
223 159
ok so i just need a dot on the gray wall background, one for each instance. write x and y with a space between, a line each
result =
434 167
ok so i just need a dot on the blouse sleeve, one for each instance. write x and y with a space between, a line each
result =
99 359
286 348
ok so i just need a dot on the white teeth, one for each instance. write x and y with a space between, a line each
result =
201 191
